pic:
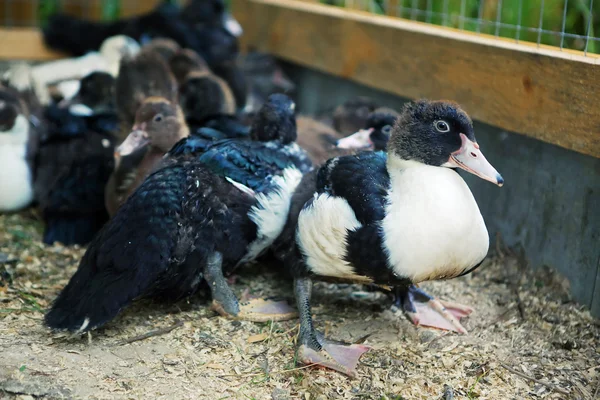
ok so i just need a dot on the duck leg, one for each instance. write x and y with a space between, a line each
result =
313 348
424 309
226 303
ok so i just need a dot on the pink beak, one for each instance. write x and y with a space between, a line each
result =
134 141
359 140
470 158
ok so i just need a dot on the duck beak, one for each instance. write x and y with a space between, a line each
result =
470 158
360 140
134 141
231 25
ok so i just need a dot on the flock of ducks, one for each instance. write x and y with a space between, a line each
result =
174 184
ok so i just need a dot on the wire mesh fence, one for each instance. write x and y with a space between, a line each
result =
566 24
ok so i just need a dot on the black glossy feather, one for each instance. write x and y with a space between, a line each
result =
156 245
227 124
361 179
250 163
74 163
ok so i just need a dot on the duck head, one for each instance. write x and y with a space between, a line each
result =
203 95
375 135
163 47
96 95
185 61
213 13
440 133
158 123
275 120
352 114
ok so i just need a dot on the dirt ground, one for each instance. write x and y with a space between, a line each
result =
526 339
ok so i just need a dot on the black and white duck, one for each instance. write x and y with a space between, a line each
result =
392 220
75 160
374 135
252 163
183 225
352 114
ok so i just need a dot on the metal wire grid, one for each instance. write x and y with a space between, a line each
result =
566 24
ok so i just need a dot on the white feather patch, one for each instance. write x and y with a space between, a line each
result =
19 76
271 212
80 110
84 325
69 88
321 235
239 186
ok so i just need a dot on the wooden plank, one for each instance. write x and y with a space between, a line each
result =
28 44
24 44
536 91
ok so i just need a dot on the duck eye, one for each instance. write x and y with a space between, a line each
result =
442 126
387 129
158 118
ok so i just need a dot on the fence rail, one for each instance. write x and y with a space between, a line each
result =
535 90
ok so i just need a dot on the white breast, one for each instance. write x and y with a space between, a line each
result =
321 236
433 227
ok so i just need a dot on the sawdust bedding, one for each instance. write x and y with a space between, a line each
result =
527 339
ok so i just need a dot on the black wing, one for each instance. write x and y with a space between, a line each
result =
250 163
361 179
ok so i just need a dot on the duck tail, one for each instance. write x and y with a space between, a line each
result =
73 229
129 257
100 288
87 301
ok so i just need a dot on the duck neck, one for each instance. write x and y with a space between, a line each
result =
396 164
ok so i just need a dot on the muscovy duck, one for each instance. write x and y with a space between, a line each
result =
158 125
145 75
185 61
73 165
375 134
183 225
393 220
352 114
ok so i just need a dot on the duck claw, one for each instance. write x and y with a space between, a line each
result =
425 310
438 314
341 358
259 310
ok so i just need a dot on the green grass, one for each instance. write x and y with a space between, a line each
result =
471 394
